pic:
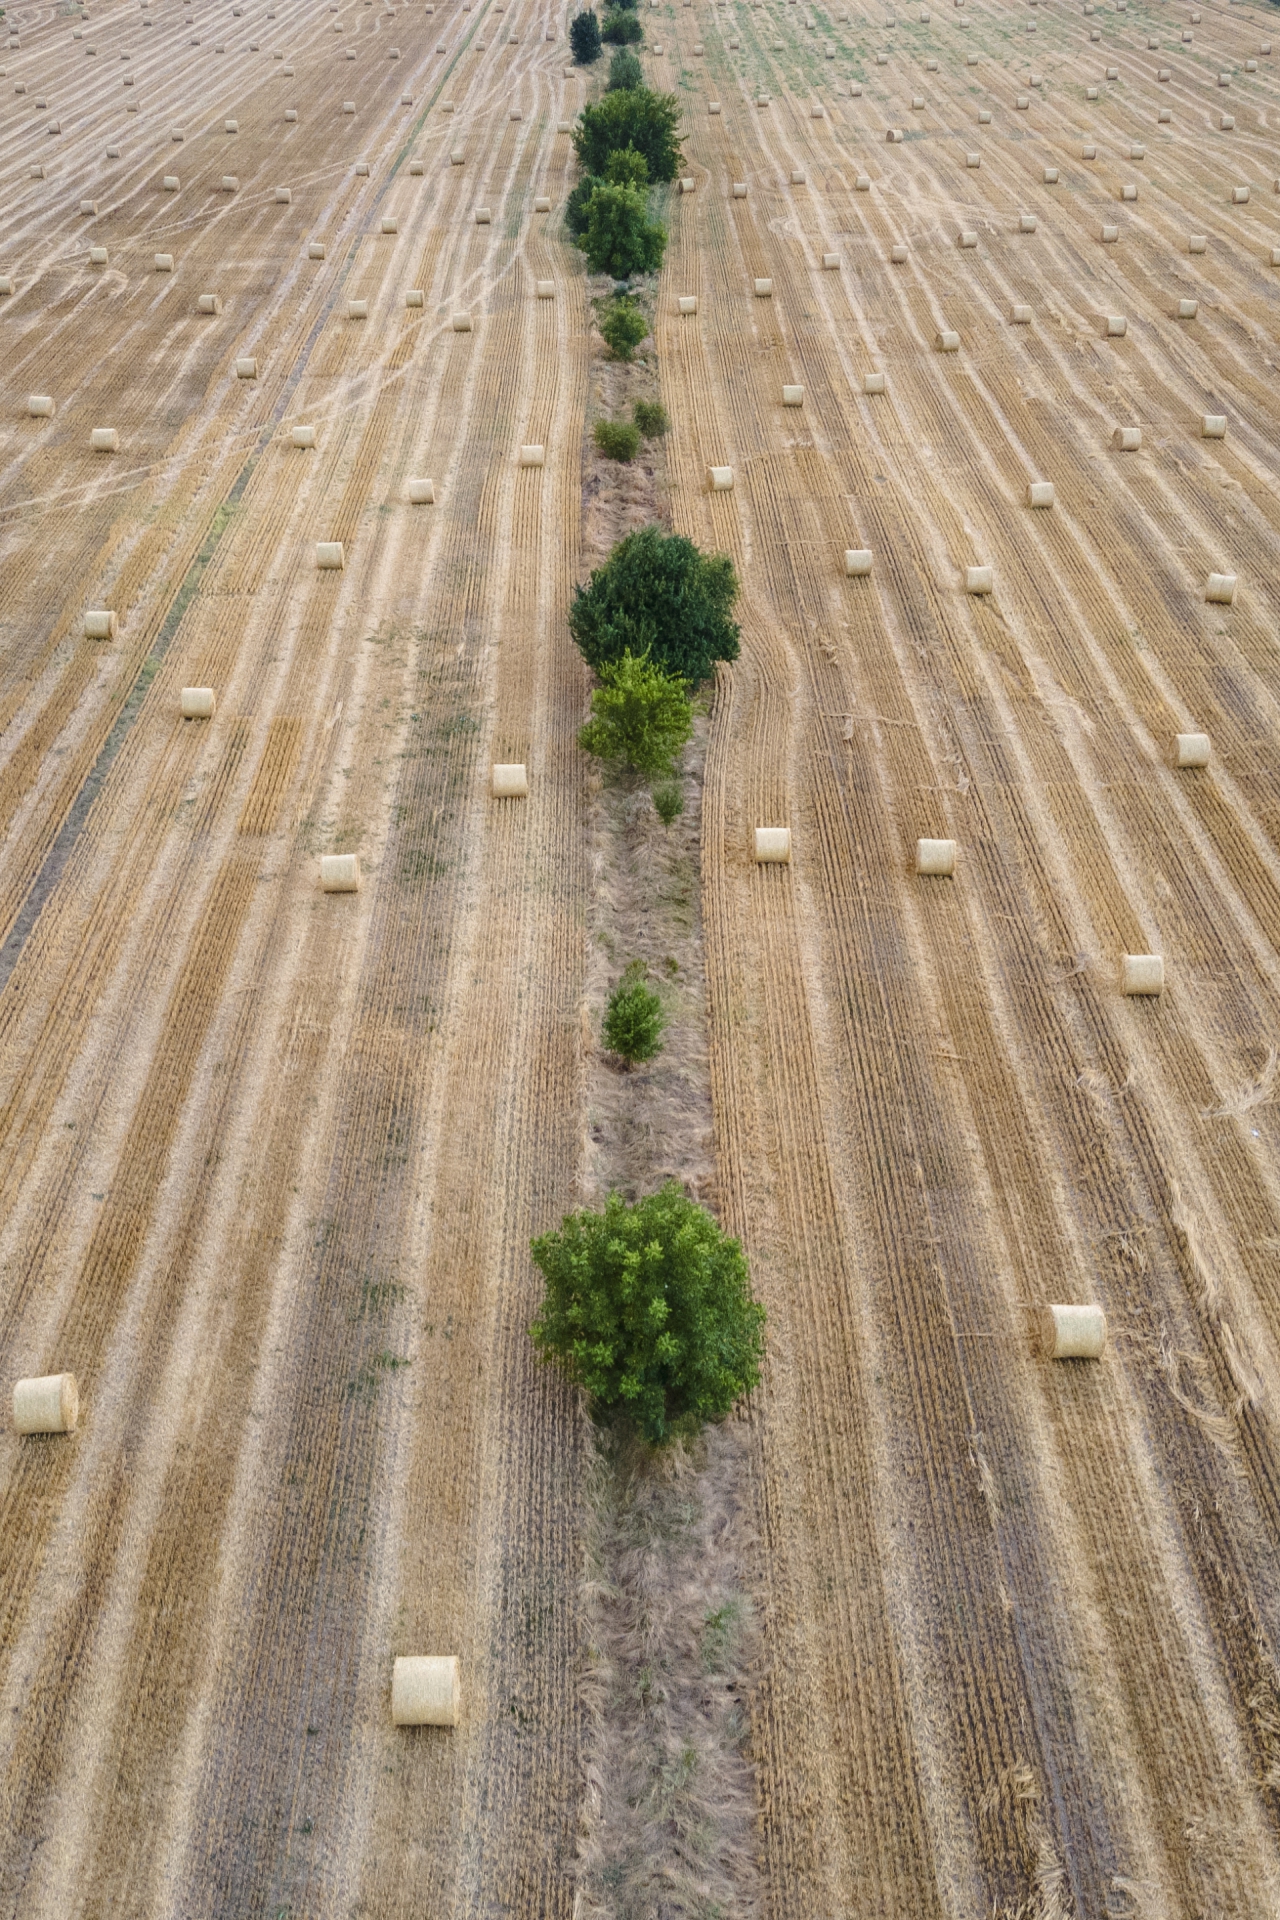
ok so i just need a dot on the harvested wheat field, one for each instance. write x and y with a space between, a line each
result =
272 1150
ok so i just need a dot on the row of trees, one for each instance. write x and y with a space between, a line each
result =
647 1306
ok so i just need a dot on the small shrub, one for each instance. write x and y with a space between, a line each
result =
658 595
631 117
651 418
634 1018
617 440
623 326
621 240
668 801
584 38
639 715
625 70
621 28
649 1308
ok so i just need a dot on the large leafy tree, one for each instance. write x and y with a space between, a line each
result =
649 1308
658 594
620 238
625 71
631 117
584 38
621 29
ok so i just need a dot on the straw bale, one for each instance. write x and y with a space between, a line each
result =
197 703
340 872
46 1403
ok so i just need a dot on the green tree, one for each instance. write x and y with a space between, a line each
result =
620 238
577 204
623 326
584 38
625 167
617 439
621 29
634 1018
640 715
658 594
651 418
631 117
649 1308
625 70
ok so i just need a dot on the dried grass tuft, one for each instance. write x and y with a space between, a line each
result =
669 1824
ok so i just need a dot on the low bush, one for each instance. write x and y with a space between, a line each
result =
658 595
634 1018
639 715
651 418
649 1308
623 326
668 801
616 439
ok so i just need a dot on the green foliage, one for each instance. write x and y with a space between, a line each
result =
634 1018
651 418
584 38
668 801
640 715
621 240
631 117
575 207
624 326
625 70
657 594
616 439
625 167
621 28
649 1308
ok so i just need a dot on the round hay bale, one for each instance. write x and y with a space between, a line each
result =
348 106
1220 589
687 303
1127 439
483 216
100 624
357 309
97 256
793 396
984 117
390 224
874 383
246 368
1109 235
898 254
1020 315
291 116
1089 152
947 341
416 167
1213 426
764 289
330 555
1117 326
302 436
104 440
798 177
1129 191
1239 196
40 406
425 1691
208 303
533 456
422 493
1190 749
88 208
283 196
687 184
1026 223
936 858
509 781
979 579
862 183
171 183
164 263
857 562
1142 973
1040 493
739 189
542 203
721 479
230 183
414 297
973 160
46 1403
772 846
831 262
340 872
462 323
197 703
968 238
1051 176
6 283
1072 1332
